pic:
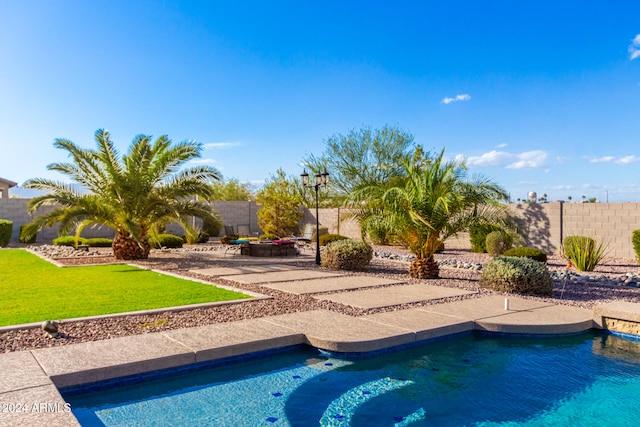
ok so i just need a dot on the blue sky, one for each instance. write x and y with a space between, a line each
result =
538 95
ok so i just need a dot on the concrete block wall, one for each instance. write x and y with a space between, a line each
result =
544 225
612 223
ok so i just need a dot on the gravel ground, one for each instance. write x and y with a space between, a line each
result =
182 261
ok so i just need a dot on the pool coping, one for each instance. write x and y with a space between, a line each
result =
35 376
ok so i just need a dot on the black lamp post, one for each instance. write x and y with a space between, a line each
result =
321 179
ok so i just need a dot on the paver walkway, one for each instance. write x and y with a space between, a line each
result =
393 295
339 283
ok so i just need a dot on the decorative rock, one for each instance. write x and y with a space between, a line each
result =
50 327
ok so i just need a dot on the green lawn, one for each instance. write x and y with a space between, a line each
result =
33 290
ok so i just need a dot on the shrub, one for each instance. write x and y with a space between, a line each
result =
347 254
378 233
193 239
213 228
635 239
269 236
518 275
69 241
99 242
526 252
166 241
6 228
325 239
583 252
478 236
24 239
225 240
497 242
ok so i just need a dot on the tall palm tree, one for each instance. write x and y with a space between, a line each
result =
131 194
432 202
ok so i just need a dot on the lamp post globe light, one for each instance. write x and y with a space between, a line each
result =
321 180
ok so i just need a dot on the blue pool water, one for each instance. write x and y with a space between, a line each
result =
471 380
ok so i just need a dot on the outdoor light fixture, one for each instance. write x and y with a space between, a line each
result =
321 180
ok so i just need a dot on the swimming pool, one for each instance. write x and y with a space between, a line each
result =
586 379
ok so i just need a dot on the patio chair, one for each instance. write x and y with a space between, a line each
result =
243 230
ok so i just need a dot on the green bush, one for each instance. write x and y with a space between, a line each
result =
69 241
478 236
6 228
583 252
24 239
268 236
166 241
213 228
99 242
347 254
635 239
225 240
202 237
325 239
497 242
378 233
526 252
517 275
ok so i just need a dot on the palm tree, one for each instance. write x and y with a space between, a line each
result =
433 202
133 194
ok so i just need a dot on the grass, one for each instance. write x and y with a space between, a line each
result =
33 290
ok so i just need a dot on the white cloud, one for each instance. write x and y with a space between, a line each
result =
603 159
457 98
221 144
501 145
204 161
527 160
634 48
625 160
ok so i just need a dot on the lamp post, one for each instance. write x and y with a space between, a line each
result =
321 179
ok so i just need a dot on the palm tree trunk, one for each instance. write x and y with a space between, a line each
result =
125 247
424 268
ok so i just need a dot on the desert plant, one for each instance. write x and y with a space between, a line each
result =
269 236
431 202
478 236
6 228
225 240
26 239
348 254
527 252
518 275
130 194
497 242
583 252
195 238
279 202
99 242
325 239
69 241
213 226
166 241
635 239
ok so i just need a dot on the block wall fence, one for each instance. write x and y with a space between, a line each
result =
544 224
